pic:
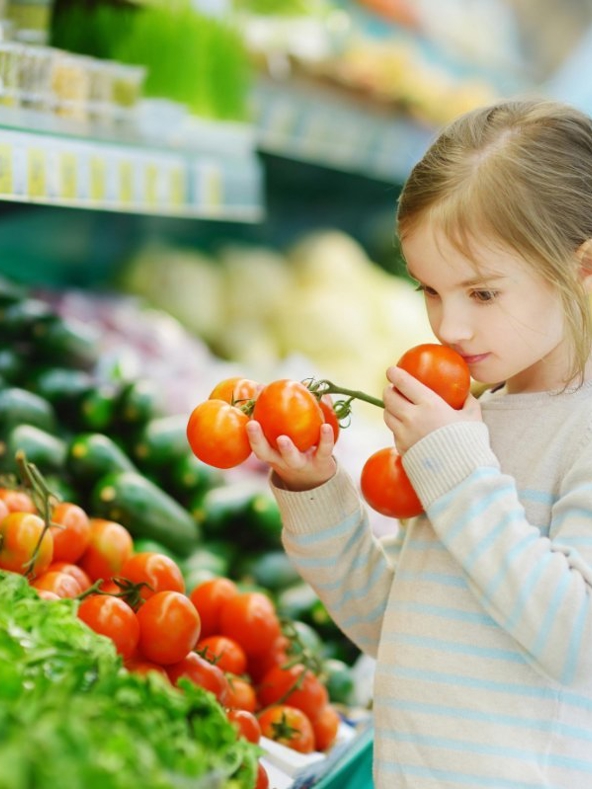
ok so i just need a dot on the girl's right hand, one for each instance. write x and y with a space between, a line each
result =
298 470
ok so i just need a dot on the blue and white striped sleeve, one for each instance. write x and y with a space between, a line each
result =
536 584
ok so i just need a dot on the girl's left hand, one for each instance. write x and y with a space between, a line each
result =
412 410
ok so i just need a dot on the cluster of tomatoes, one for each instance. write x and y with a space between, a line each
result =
216 429
227 640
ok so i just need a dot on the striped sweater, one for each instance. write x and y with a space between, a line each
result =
478 613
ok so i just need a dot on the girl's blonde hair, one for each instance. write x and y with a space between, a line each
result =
519 173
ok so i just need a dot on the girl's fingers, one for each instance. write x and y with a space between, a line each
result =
406 385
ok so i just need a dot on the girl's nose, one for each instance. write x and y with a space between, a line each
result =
453 326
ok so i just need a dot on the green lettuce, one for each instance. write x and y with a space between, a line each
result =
72 716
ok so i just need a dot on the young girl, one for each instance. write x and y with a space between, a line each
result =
479 613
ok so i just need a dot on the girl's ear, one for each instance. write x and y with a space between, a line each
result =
584 256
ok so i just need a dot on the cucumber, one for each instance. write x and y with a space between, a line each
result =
187 476
62 386
138 403
272 569
19 406
221 510
11 364
45 450
160 442
95 409
65 341
19 319
146 510
92 455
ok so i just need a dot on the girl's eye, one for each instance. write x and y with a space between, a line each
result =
484 296
427 290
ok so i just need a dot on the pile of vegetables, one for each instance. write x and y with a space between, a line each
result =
70 716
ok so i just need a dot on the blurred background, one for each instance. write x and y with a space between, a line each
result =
211 184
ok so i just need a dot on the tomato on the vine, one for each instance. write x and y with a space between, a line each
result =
326 727
440 368
235 390
288 408
289 726
209 597
157 571
169 627
295 685
241 693
326 403
251 619
62 584
110 545
225 652
17 500
386 487
112 617
217 434
246 723
200 671
74 570
71 532
24 545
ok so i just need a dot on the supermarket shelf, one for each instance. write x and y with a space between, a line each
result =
322 126
56 161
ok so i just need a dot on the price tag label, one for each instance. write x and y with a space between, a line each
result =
36 173
151 184
6 169
177 187
68 172
126 181
97 178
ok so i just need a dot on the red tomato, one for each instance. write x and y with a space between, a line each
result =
294 685
201 672
262 777
169 627
3 510
209 597
217 435
251 619
288 408
235 390
74 570
140 666
289 726
20 533
441 368
326 727
159 571
112 617
246 723
225 652
62 584
45 594
241 694
71 535
277 655
17 500
109 547
326 403
386 486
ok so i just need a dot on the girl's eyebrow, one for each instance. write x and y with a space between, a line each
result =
487 279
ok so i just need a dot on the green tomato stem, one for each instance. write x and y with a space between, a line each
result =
328 387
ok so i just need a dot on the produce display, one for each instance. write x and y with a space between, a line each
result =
109 519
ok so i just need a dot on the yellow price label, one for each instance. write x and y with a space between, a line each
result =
177 187
6 169
151 184
212 187
36 173
126 181
68 176
98 179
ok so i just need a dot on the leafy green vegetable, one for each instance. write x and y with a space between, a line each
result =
71 716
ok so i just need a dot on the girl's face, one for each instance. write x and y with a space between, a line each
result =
505 320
